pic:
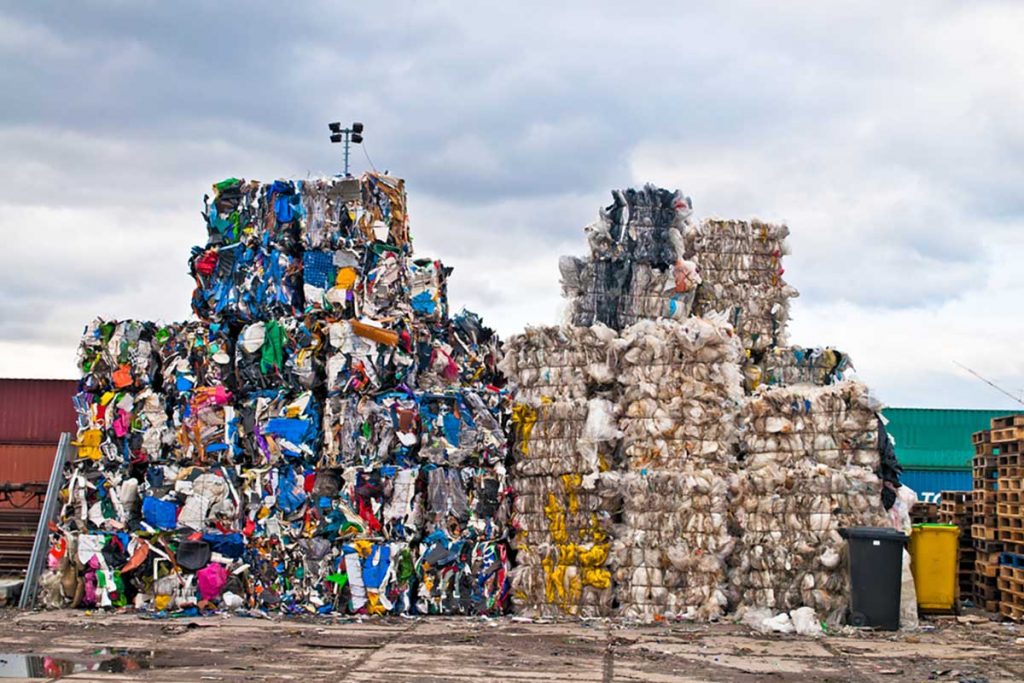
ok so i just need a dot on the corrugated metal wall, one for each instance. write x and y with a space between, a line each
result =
33 413
20 464
927 484
928 438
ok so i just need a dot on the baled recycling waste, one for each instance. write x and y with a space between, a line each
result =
325 438
328 437
702 463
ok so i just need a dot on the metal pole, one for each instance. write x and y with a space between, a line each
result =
39 548
346 151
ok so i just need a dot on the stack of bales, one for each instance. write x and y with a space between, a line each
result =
326 437
680 407
716 496
563 439
810 462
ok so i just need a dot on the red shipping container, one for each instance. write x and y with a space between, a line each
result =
36 411
21 464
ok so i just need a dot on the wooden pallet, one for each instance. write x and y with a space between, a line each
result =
1007 434
1011 591
986 449
924 513
1009 449
986 569
987 547
1011 537
985 593
955 500
1011 512
1009 492
1005 422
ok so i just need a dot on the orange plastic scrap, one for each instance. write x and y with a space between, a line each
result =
123 376
374 333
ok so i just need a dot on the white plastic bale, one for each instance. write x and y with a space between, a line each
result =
740 263
809 460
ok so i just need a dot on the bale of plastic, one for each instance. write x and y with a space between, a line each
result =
809 461
740 264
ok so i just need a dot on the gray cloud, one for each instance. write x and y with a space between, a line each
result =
887 137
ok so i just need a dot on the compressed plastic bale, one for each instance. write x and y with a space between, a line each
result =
460 576
195 354
787 366
122 428
811 456
208 426
458 351
428 289
260 356
638 267
558 362
234 214
118 355
382 290
245 282
360 431
552 438
671 548
329 207
740 264
278 425
619 293
282 213
644 225
461 426
384 217
356 364
563 546
681 393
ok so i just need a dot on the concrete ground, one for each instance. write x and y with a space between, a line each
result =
80 646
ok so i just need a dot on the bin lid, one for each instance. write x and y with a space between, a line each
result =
876 533
933 525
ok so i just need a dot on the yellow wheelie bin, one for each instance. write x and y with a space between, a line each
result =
934 553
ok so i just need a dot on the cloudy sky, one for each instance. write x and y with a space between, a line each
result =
889 136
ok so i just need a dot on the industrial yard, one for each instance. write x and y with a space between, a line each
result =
128 647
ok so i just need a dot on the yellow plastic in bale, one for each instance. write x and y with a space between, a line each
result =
346 278
373 604
524 418
572 484
555 513
89 444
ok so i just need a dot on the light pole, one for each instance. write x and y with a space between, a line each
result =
354 134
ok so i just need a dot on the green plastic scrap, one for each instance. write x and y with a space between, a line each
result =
272 352
338 579
225 184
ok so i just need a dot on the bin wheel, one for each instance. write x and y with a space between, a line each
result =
858 619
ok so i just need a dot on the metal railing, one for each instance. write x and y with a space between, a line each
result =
40 547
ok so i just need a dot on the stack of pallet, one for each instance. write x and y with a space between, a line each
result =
985 529
957 507
924 513
1007 438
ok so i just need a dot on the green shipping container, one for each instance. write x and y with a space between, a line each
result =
937 439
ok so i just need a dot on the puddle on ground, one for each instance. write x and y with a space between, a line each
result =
104 660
